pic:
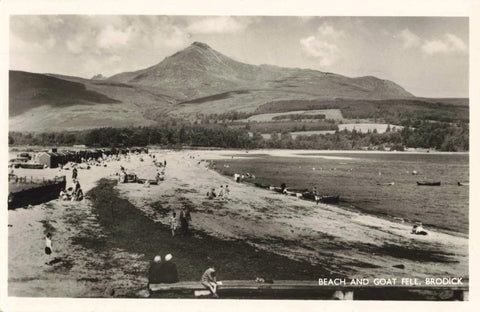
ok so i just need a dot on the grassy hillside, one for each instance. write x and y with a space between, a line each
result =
392 111
28 90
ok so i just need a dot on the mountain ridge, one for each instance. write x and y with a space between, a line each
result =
192 82
208 71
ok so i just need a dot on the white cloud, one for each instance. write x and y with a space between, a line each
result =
325 52
111 37
434 46
327 30
18 45
78 43
449 44
409 39
173 37
218 25
323 46
456 43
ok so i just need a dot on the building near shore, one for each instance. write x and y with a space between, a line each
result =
51 159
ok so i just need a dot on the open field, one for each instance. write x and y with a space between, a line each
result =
365 127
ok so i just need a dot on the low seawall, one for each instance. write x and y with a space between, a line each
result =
36 195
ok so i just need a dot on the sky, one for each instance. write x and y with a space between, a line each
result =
428 56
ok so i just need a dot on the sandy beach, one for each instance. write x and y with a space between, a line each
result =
347 243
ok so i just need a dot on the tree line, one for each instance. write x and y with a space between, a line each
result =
419 134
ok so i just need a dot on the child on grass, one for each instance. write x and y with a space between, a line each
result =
173 223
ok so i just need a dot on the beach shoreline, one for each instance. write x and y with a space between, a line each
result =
310 237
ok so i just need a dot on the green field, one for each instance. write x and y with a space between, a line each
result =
354 176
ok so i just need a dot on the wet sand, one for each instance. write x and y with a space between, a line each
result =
103 241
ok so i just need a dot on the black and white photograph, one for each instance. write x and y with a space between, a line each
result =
203 158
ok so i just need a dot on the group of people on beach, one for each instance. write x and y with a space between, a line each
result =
239 178
184 220
74 193
223 193
162 272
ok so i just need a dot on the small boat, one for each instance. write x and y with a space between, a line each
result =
308 196
426 183
329 199
463 183
386 184
31 166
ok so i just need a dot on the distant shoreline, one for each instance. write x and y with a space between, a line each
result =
37 148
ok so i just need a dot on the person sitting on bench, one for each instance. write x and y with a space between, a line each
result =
209 280
169 270
155 271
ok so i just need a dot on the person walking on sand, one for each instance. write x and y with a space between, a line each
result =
173 223
48 247
74 173
209 280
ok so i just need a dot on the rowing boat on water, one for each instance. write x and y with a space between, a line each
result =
426 183
330 199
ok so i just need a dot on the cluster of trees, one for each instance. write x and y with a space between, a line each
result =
142 136
299 117
227 117
424 134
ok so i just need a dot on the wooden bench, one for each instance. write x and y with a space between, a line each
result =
293 287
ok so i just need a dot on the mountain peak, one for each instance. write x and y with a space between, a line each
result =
98 77
201 45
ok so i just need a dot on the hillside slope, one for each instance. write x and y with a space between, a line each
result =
28 90
47 102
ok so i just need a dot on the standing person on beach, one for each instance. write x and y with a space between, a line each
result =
209 280
185 218
48 246
74 173
316 195
227 192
